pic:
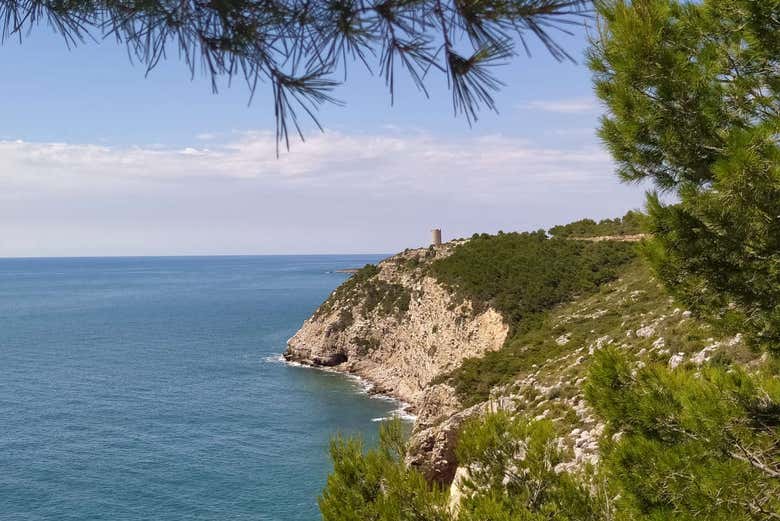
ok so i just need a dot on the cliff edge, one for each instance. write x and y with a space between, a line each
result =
398 328
541 308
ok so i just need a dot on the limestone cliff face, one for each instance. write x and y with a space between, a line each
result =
398 328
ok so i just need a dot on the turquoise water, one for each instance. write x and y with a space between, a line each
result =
150 388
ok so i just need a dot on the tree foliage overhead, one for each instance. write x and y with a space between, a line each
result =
693 92
303 48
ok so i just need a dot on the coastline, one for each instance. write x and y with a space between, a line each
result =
366 386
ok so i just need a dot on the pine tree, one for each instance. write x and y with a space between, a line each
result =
691 443
693 97
511 473
376 485
302 49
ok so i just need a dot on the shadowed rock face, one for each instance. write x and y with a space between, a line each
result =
327 359
401 351
432 445
432 451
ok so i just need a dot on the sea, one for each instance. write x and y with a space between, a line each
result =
153 388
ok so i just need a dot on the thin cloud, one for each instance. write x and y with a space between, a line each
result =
234 197
418 160
572 132
563 106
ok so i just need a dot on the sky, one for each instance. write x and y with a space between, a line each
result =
99 158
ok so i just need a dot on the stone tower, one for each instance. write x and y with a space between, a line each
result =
436 237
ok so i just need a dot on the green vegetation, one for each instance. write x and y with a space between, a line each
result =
412 263
623 306
346 319
365 345
377 295
557 352
523 276
386 298
691 419
502 486
629 224
349 291
695 444
684 444
692 90
376 485
673 444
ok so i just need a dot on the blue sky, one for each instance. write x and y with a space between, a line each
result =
98 159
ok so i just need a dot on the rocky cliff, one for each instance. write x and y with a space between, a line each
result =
399 328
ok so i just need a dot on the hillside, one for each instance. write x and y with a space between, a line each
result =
541 372
515 337
514 324
397 327
451 329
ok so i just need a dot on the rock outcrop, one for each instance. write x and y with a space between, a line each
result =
398 328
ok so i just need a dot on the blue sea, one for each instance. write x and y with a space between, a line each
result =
152 388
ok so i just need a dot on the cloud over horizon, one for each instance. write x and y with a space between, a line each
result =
235 196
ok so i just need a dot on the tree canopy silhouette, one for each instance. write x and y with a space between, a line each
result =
302 49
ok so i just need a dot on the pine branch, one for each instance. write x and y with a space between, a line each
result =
267 41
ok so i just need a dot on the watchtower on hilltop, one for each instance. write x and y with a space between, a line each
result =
436 237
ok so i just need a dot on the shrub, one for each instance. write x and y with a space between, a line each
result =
692 93
630 224
377 485
386 297
511 473
365 345
696 444
348 292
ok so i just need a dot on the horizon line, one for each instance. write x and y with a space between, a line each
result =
177 255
